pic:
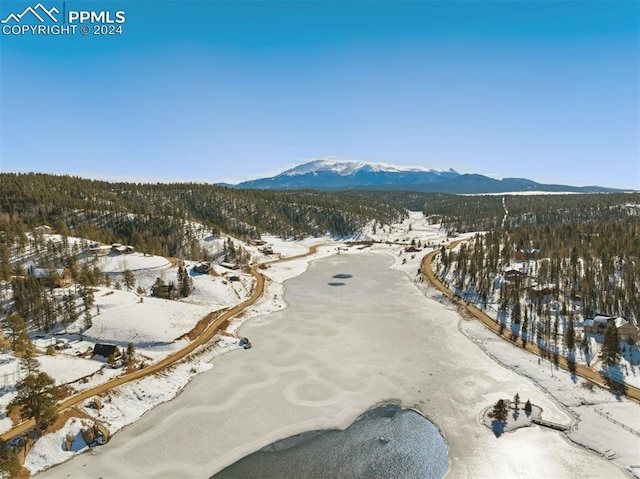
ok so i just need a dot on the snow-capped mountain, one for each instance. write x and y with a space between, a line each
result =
346 168
340 174
331 174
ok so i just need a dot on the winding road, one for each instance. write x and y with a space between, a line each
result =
207 334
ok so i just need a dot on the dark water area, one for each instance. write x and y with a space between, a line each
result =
336 284
342 276
383 443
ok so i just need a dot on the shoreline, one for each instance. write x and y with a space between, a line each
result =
265 308
226 374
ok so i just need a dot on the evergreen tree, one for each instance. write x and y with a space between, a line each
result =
570 336
29 363
516 400
527 406
610 352
185 283
88 300
129 354
9 464
16 326
129 279
36 395
500 410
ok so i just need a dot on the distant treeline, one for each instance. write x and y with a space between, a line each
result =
464 213
157 218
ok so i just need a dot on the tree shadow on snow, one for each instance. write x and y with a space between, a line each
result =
497 427
571 365
614 379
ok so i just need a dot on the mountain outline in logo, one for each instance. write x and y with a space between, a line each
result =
34 11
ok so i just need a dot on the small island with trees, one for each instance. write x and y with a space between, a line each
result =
508 415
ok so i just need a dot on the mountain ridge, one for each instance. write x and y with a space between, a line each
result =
327 174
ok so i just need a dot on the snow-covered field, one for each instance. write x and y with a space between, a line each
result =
222 401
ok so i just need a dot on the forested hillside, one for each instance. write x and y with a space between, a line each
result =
464 213
595 265
156 217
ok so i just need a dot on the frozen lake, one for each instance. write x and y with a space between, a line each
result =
334 353
382 443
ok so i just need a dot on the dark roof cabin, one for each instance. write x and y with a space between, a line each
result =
106 350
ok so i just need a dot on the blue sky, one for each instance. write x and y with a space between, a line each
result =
226 91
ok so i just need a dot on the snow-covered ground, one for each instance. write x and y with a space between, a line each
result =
627 370
337 351
593 411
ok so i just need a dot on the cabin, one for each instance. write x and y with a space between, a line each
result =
107 350
412 249
626 330
258 242
268 249
597 325
118 248
53 278
202 267
228 265
512 274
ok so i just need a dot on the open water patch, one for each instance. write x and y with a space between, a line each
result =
342 276
385 442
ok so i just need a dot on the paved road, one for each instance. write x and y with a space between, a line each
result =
578 369
204 337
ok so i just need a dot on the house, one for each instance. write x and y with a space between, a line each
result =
56 278
258 242
118 248
202 267
511 274
598 324
229 265
107 350
412 249
626 330
268 249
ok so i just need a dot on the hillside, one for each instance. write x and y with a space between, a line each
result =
156 217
